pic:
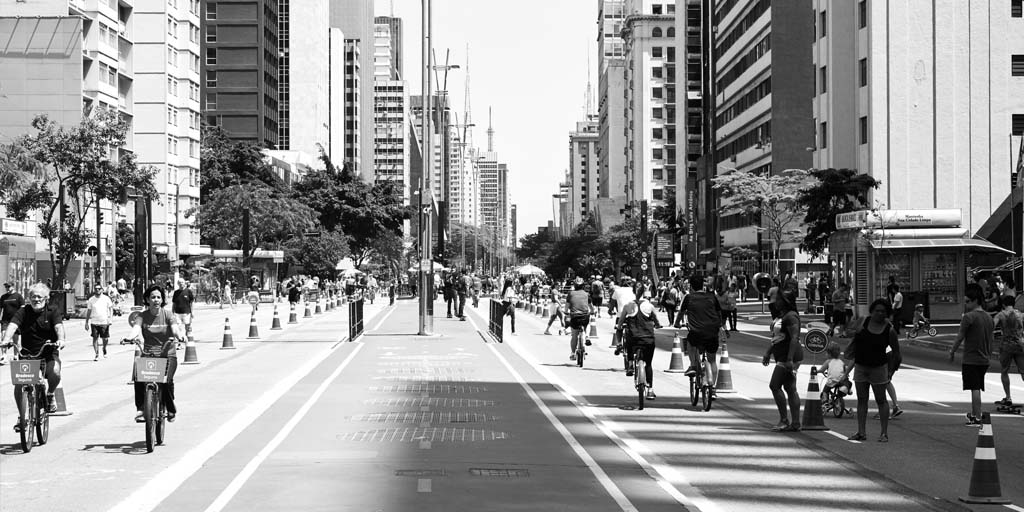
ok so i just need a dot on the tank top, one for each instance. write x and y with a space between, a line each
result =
869 349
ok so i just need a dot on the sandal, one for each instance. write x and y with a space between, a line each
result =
795 427
781 427
883 438
859 436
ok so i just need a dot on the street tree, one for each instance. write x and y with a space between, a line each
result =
535 247
225 162
319 255
125 238
623 242
773 197
832 192
80 172
22 181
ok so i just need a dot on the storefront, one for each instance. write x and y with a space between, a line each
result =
924 251
18 261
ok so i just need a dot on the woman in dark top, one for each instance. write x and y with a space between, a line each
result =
870 365
159 332
785 348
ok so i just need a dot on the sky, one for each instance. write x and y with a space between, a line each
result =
528 62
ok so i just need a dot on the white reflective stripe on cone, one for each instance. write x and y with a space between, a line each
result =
984 454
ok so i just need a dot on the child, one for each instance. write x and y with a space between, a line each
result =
136 325
834 369
920 321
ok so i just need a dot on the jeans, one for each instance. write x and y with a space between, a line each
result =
731 317
462 305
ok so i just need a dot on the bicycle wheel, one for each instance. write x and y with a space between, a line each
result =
705 397
42 421
639 373
161 421
28 411
694 390
912 333
839 406
580 353
932 331
149 413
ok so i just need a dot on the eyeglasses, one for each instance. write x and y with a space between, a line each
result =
36 298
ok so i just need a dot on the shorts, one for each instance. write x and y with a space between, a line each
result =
839 317
703 342
578 321
974 376
1011 353
596 301
100 331
874 375
184 318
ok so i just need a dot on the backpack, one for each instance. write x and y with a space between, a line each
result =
596 290
669 297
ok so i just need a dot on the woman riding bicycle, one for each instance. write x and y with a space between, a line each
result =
579 315
38 323
159 329
638 325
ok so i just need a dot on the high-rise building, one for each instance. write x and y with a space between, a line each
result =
353 105
355 19
60 58
650 53
584 176
932 110
240 76
690 116
395 31
168 117
304 67
763 89
336 91
611 147
391 121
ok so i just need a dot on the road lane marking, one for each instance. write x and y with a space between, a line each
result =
840 436
423 485
229 492
1014 507
613 490
150 495
385 317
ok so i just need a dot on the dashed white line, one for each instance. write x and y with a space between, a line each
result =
840 436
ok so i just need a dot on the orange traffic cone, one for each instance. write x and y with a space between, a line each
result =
292 318
593 327
276 324
318 310
254 332
328 304
228 343
190 347
676 364
724 384
985 473
61 401
812 418
309 312
340 300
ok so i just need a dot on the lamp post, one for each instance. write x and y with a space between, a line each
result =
426 322
177 228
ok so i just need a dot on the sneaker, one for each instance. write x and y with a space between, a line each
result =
572 357
713 394
51 403
630 371
462 319
17 427
859 436
876 416
547 333
96 358
587 343
650 394
781 427
794 427
139 417
1005 402
896 411
883 438
690 372
171 416
973 421
618 349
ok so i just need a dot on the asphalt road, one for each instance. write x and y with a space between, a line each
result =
302 418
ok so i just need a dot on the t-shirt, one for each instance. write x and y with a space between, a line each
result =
781 338
182 301
596 289
1010 321
640 322
11 303
868 348
976 327
579 303
703 313
37 327
834 369
100 308
156 331
623 295
839 300
897 300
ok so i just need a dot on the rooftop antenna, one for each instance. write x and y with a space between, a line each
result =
590 90
490 130
392 8
467 134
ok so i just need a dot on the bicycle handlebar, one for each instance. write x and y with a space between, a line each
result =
37 354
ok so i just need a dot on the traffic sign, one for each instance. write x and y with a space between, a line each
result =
92 251
644 254
691 264
815 341
643 266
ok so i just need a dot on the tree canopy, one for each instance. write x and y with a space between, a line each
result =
834 191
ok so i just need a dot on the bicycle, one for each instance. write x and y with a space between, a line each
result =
640 376
700 390
152 371
581 342
834 403
30 390
913 333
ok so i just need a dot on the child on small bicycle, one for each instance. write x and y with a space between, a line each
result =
834 369
920 321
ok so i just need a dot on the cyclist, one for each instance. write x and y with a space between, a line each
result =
920 321
158 330
39 323
639 321
579 315
703 321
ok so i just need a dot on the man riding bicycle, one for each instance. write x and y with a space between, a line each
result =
639 320
38 323
579 316
704 320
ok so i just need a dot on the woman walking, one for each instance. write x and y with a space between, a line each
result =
786 350
870 366
509 297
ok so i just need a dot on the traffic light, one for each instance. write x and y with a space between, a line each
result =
721 240
65 213
99 219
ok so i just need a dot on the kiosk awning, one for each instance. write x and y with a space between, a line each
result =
939 243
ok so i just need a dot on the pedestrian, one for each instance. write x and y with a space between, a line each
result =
1011 351
1009 288
11 301
462 285
226 297
891 288
823 289
743 282
976 334
98 314
597 293
840 299
449 293
181 305
897 309
556 311
670 301
773 295
509 298
812 288
729 307
478 286
294 294
785 348
866 354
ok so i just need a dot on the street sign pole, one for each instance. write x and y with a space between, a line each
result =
426 271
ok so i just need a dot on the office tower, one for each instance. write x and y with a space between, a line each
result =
391 127
395 31
336 92
932 110
584 177
611 148
355 19
304 67
693 135
240 75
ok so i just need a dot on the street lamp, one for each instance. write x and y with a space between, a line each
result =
426 322
177 229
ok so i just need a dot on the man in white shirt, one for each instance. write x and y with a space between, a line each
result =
97 320
897 309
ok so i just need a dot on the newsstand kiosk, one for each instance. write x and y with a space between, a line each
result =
924 251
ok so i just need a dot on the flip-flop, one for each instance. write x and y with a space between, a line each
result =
859 436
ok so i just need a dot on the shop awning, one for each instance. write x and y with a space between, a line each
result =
939 243
21 247
705 252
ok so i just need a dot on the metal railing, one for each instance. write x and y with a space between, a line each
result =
355 319
496 322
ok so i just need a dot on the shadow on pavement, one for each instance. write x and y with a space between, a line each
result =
136 448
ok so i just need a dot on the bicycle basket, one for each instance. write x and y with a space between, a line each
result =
151 369
25 372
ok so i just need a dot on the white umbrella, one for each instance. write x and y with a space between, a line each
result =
345 264
351 272
437 267
530 270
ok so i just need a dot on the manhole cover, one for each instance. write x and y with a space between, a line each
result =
421 473
422 378
434 435
420 417
500 472
427 388
429 402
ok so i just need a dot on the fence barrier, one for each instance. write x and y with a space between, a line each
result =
355 319
496 323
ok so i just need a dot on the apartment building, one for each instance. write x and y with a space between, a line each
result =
304 67
355 19
395 34
611 147
584 171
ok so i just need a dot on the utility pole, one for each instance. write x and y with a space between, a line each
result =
426 261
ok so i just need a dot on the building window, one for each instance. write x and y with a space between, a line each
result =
172 27
658 174
656 32
211 79
658 153
658 194
1017 65
864 130
863 72
211 33
823 79
211 101
1017 124
862 13
657 72
656 93
824 23
657 113
1017 8
656 52
671 32
823 136
657 133
211 11
211 56
172 56
656 9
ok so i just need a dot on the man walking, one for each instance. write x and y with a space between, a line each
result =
97 320
976 334
11 301
462 286
181 305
